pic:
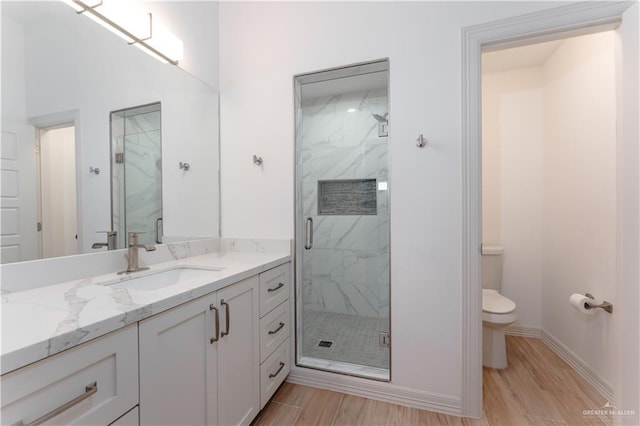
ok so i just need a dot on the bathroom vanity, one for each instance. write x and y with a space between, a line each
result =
196 340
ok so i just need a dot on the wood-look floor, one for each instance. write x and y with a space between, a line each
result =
538 388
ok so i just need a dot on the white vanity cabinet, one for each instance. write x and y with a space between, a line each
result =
91 384
199 362
275 287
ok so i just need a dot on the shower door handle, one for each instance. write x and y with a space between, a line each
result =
308 238
158 220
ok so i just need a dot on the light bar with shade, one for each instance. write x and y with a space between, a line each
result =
135 27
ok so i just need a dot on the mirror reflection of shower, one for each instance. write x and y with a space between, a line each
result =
383 123
136 174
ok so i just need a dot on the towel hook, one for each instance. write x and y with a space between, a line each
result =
184 166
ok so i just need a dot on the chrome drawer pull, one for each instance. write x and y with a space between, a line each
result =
217 322
278 287
271 376
226 315
89 390
280 326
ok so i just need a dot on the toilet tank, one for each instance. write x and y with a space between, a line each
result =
492 267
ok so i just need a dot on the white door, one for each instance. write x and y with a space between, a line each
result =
58 194
238 353
18 239
178 366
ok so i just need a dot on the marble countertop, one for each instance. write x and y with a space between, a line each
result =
41 322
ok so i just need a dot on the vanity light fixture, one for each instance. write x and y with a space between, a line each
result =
137 29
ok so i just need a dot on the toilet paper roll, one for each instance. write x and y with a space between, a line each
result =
579 301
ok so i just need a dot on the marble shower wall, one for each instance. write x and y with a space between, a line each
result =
139 180
347 270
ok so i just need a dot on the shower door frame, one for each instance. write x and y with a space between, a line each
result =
299 221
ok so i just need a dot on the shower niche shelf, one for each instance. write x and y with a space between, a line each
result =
347 197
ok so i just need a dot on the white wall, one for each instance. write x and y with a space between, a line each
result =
262 46
512 183
552 130
580 217
13 95
195 23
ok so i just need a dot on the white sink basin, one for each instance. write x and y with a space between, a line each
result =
162 279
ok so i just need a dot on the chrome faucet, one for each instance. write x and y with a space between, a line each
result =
132 253
112 238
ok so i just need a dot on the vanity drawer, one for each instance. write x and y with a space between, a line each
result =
273 372
93 383
274 288
274 329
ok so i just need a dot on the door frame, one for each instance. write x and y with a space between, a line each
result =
62 119
571 20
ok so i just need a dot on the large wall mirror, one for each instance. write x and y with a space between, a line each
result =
66 83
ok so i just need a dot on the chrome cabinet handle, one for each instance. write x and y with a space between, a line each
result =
271 376
308 243
89 390
217 323
278 287
226 316
280 327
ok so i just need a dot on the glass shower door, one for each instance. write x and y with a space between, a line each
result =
342 237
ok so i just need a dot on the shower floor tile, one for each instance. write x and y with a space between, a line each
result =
354 338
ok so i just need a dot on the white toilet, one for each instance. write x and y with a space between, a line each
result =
497 310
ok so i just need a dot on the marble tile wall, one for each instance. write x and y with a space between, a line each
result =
347 270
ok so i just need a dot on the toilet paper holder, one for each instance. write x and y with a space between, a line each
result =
604 305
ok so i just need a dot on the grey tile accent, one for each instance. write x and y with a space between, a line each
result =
347 197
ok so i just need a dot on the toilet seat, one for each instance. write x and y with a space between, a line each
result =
495 303
497 310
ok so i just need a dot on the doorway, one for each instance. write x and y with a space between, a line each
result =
570 20
549 185
57 191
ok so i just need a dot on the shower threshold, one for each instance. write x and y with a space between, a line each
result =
364 371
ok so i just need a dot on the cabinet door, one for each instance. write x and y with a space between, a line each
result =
239 353
178 366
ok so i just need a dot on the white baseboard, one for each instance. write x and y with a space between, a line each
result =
524 331
587 373
381 391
